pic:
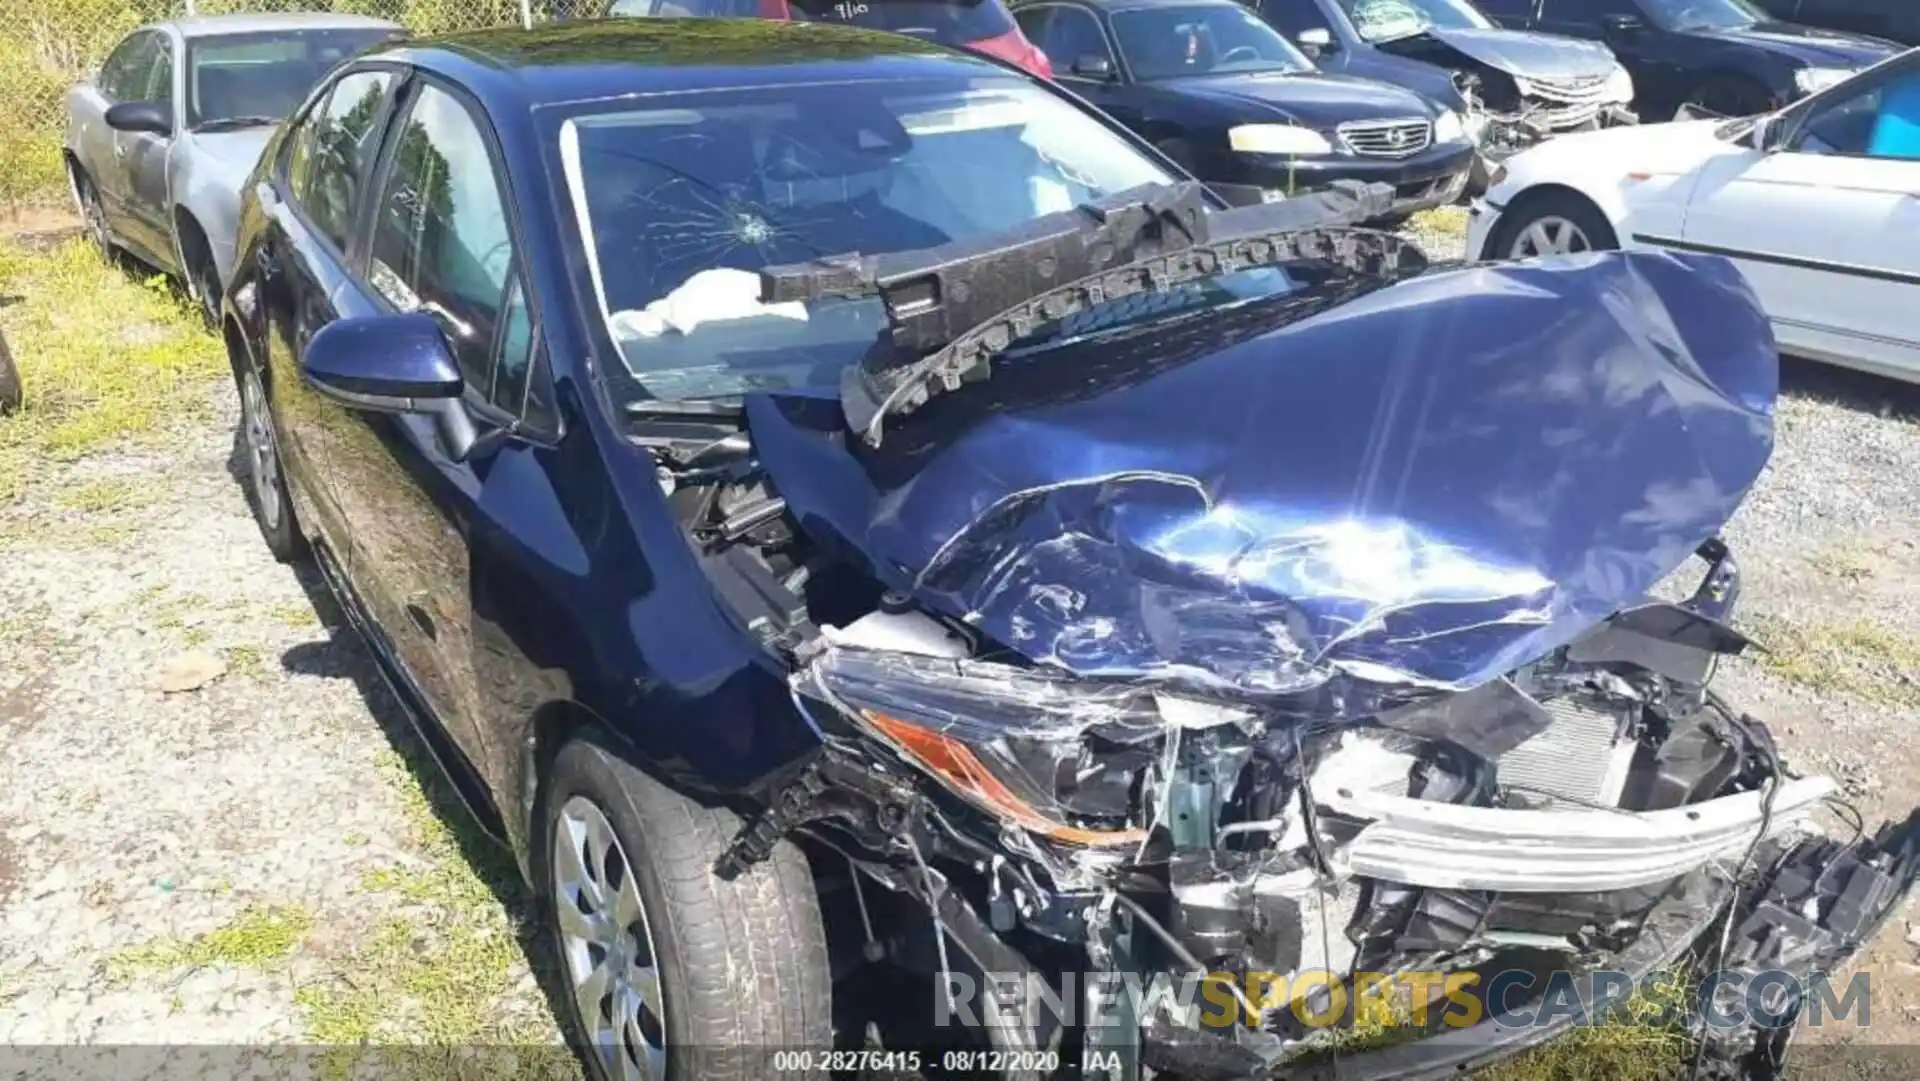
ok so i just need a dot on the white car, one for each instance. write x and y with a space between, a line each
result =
1818 204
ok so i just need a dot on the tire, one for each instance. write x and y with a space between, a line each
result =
1552 210
738 968
1727 95
204 275
266 483
94 216
11 393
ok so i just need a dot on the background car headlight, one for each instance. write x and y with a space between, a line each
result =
1619 86
1045 752
1449 128
1814 80
1277 139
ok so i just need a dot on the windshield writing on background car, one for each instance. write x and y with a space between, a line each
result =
1171 42
681 207
260 78
1447 14
1703 14
938 20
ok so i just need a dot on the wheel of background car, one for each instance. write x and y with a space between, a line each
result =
1727 95
94 216
662 959
266 480
1551 223
11 393
206 281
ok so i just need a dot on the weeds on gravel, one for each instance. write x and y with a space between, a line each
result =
1859 657
1441 220
439 973
257 938
103 357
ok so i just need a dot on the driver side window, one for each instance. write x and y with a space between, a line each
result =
441 239
1072 36
1881 120
127 72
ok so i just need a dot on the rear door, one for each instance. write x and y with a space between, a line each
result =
311 206
1827 226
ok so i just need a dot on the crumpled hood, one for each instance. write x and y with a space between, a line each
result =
1429 484
1531 56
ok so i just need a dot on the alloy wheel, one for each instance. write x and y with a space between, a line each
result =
263 449
1550 235
606 944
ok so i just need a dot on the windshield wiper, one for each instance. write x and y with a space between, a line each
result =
953 308
227 123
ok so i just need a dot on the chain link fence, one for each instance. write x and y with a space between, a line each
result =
47 45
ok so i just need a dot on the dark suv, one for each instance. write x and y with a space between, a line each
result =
981 25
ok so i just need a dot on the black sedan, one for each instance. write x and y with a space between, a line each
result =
1225 95
1721 57
1895 20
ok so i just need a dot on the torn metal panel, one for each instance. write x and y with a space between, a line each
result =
1423 484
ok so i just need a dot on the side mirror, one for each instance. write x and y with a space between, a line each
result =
1093 67
1622 25
147 116
1315 41
393 364
1769 133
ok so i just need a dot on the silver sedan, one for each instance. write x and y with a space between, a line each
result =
160 141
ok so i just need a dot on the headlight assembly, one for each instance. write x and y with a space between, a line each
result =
1814 80
1619 88
1449 128
1277 139
1058 756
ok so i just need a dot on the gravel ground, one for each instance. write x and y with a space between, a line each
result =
256 859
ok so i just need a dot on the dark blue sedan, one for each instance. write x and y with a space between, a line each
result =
864 528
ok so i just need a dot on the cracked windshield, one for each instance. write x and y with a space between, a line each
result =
681 207
1385 20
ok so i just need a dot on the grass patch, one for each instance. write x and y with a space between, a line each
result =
298 616
257 938
106 496
1864 659
246 662
104 359
1441 220
441 973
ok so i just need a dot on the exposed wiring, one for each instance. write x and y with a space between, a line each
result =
939 925
1766 747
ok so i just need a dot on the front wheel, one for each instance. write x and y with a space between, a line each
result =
1551 223
94 216
671 971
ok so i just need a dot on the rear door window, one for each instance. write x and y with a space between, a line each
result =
328 172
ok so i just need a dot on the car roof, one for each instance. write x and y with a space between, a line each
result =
589 59
211 26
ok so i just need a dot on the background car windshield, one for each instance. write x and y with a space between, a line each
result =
264 76
681 205
1385 20
1703 14
1390 14
1210 39
937 20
